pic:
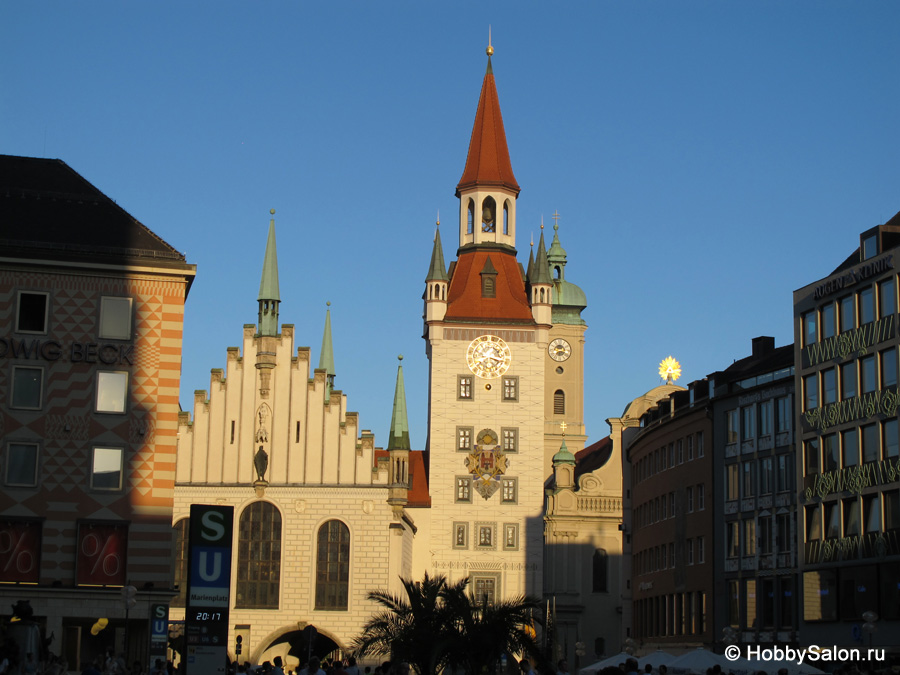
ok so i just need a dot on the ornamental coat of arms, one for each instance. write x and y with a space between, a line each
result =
486 464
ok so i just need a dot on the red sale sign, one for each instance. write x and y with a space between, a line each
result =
101 554
20 551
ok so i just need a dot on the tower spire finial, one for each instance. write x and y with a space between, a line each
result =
326 356
398 437
269 297
490 48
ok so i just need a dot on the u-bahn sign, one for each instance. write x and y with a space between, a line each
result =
209 588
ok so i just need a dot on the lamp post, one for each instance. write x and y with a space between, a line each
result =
871 628
129 594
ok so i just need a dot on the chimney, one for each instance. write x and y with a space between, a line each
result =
763 345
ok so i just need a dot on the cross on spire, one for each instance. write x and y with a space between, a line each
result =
563 426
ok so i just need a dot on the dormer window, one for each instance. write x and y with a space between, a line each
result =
869 247
488 280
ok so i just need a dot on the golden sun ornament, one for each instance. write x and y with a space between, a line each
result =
669 369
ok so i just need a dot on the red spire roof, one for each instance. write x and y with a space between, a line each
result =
488 159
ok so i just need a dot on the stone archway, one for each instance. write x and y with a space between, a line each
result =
293 644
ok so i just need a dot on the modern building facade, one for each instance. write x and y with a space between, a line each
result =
92 304
848 462
755 500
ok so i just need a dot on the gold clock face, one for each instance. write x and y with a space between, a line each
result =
559 350
488 356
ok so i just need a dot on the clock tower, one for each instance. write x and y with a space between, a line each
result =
488 329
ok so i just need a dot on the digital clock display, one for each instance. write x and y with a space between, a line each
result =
208 616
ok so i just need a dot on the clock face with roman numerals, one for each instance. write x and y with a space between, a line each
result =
488 356
559 350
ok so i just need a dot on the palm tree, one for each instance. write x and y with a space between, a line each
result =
487 630
416 628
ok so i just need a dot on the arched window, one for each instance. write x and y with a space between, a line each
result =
259 557
601 571
559 402
471 209
332 565
505 217
180 556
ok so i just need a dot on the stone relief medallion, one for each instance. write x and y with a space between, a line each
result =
486 463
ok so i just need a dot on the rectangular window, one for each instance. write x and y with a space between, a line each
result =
701 451
732 538
831 459
509 491
690 446
813 513
765 417
783 409
872 513
810 335
112 391
701 550
810 392
510 537
749 481
848 380
889 439
689 551
850 447
848 313
107 468
887 298
734 604
680 452
510 439
671 505
811 457
690 499
732 485
749 537
671 455
485 535
664 510
460 535
765 476
889 368
701 497
464 439
786 620
866 306
510 388
463 489
767 603
867 379
819 596
851 517
832 512
27 387
783 538
785 481
827 318
891 500
21 465
765 535
829 386
731 426
871 451
115 318
464 390
31 316
485 588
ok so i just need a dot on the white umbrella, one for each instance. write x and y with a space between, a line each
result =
698 660
605 663
656 659
792 667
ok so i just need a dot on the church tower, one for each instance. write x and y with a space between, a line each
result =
486 341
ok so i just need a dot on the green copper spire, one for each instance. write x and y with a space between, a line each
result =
398 436
541 266
437 271
563 456
530 270
269 297
556 256
326 357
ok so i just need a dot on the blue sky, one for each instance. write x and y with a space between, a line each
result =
706 158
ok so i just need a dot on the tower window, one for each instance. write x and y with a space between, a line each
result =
471 217
464 439
465 387
463 489
559 402
510 388
505 217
